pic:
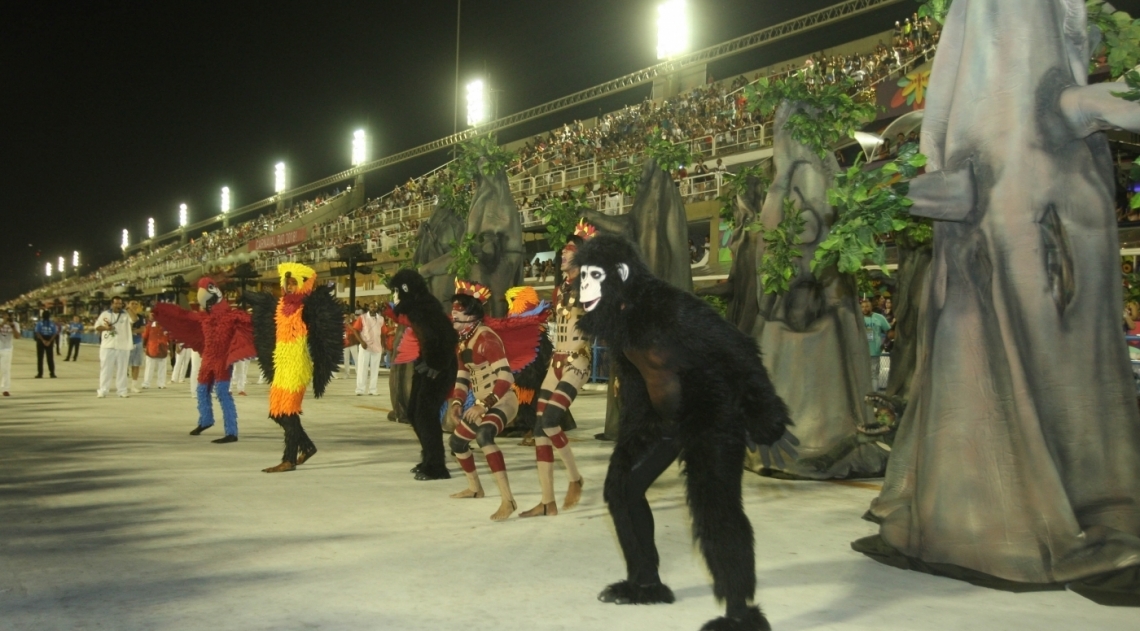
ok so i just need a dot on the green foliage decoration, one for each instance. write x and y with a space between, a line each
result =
560 217
624 181
1120 41
872 206
719 304
736 184
934 9
464 258
781 249
831 113
667 154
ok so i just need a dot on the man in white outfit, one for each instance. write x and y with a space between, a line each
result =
239 375
115 347
9 331
195 365
368 328
181 363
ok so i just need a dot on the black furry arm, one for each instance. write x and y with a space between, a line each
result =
264 329
322 317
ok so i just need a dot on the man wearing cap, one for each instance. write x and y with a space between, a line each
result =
114 327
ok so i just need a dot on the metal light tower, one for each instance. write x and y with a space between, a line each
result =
183 216
126 239
672 28
75 260
61 272
150 228
279 178
47 269
359 147
477 110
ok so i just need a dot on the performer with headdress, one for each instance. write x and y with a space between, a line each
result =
222 336
569 368
485 370
298 339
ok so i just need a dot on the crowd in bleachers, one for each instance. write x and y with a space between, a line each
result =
714 114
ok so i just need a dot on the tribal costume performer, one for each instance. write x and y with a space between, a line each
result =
298 338
569 369
222 336
484 371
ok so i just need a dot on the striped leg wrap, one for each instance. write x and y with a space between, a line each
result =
495 462
543 453
468 463
559 439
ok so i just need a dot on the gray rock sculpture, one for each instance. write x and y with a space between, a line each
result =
913 272
812 337
657 224
1019 454
494 220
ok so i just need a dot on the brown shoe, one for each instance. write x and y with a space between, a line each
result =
284 466
542 510
304 456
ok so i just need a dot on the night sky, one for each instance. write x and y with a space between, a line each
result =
117 111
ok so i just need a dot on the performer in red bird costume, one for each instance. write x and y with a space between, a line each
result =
222 336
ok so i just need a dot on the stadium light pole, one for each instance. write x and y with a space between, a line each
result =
150 228
75 260
62 272
47 269
226 206
279 178
359 147
476 103
672 28
183 216
126 239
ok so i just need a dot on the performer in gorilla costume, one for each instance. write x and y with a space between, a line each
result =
692 386
434 367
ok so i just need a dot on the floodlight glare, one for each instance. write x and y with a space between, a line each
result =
47 269
126 238
75 259
150 228
183 216
279 177
359 150
226 200
672 28
476 103
61 265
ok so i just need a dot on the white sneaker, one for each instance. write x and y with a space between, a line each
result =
124 396
100 394
146 386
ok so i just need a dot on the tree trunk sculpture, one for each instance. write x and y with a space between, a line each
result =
812 337
433 254
914 269
741 288
1019 454
494 220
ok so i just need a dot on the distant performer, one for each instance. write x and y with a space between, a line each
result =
114 328
299 338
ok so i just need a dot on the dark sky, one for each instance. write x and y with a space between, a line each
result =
115 111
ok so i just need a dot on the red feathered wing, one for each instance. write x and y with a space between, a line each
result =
241 346
520 335
183 324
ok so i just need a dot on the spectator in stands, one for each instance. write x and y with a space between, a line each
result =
46 333
876 326
9 331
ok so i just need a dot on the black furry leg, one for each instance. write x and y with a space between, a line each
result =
751 620
625 495
291 423
627 593
423 411
712 482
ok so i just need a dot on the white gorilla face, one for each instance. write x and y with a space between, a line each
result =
590 279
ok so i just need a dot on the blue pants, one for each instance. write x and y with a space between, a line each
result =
225 399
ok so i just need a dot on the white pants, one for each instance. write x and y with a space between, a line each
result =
238 377
113 368
261 374
350 352
367 370
154 365
195 366
5 369
180 363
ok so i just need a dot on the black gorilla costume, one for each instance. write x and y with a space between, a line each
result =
434 369
692 386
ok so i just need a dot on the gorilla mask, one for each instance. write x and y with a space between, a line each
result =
592 278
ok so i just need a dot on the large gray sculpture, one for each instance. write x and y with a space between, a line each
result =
1019 454
812 337
433 253
494 220
657 223
741 288
913 272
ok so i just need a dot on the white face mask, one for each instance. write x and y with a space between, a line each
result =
590 279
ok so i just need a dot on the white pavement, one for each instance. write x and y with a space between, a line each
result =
113 517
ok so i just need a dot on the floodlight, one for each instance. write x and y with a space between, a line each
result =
226 200
47 269
61 265
150 228
359 149
75 259
476 103
126 238
279 177
672 28
183 216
